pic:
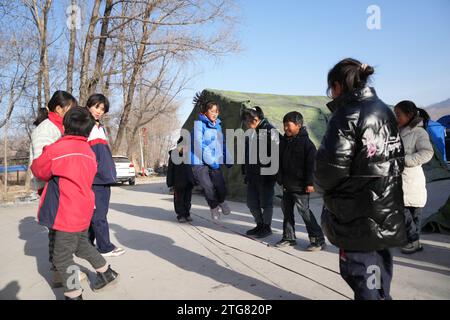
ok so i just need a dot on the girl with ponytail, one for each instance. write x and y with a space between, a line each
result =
412 122
49 128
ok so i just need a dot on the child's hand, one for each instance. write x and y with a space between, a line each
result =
310 189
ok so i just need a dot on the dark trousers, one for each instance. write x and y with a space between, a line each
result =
182 200
66 245
99 229
260 195
213 184
369 274
51 247
301 201
412 218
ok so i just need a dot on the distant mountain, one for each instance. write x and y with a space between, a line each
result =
439 109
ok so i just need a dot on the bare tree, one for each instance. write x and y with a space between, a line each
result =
40 14
101 49
15 77
136 69
87 51
140 52
169 27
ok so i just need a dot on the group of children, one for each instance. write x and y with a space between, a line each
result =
296 159
73 170
368 168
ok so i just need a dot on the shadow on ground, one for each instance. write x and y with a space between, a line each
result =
165 248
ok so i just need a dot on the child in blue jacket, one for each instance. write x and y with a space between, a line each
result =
208 153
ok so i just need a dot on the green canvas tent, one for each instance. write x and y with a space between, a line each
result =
314 111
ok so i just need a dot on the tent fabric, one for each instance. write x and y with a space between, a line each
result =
440 221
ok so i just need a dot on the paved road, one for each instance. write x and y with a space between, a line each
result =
208 259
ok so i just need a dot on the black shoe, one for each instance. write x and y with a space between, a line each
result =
80 297
255 230
264 232
105 278
181 219
189 219
285 243
316 244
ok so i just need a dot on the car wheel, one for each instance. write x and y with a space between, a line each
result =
132 182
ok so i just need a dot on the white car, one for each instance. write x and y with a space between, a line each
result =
125 170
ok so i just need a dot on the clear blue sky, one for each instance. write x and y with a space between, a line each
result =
289 46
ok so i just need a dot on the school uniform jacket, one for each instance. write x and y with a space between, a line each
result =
106 173
68 166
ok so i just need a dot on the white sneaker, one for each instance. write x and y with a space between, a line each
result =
115 253
225 208
215 214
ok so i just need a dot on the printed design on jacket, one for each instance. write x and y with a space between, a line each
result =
369 142
393 145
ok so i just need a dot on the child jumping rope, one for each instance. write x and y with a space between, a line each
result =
208 153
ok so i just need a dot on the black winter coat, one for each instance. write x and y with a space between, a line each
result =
253 170
297 155
179 176
358 167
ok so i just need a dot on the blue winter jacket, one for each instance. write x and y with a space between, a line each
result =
208 145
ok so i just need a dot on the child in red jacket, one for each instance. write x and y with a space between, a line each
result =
69 166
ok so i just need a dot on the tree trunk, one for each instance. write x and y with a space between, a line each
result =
92 86
39 90
41 24
131 139
45 70
87 53
133 79
71 59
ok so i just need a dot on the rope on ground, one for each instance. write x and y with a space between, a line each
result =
243 263
213 253
265 259
267 244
